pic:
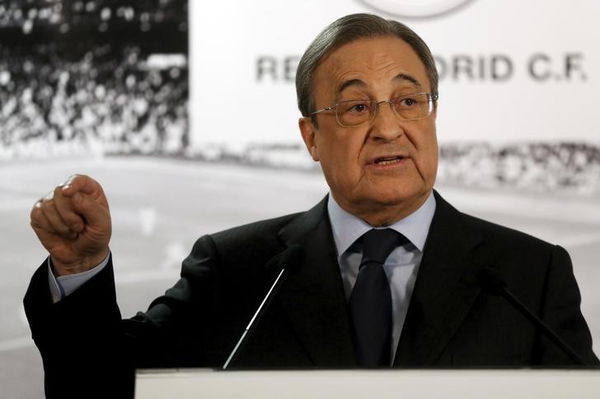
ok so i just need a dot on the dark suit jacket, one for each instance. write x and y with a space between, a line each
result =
451 321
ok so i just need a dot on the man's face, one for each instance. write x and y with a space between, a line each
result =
384 169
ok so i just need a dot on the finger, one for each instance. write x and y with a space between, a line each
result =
81 183
64 207
55 221
38 220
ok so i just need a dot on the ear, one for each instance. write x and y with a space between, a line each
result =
308 131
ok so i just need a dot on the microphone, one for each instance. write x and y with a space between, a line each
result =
492 282
288 260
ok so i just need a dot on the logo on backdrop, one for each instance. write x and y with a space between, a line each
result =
416 8
568 67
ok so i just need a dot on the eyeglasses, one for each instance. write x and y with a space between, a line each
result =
356 112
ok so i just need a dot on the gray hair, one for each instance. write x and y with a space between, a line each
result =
348 29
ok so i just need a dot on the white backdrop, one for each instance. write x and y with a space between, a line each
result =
511 70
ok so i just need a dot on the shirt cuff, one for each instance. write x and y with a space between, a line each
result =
62 286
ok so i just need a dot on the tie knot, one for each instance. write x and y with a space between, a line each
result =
378 244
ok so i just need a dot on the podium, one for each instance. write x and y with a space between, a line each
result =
370 384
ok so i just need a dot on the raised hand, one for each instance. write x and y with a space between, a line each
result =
73 223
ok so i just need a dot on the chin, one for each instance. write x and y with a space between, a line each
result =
398 195
380 202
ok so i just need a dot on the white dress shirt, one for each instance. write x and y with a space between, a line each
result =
401 267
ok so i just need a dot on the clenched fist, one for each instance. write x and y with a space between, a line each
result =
73 223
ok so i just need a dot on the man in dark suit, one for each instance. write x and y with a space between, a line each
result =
367 90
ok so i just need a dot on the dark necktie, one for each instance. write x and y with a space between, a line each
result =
371 299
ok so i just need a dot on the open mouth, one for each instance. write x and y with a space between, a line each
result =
384 161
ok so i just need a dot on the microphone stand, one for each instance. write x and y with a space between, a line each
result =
490 279
289 260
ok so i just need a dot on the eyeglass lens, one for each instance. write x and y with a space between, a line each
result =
355 112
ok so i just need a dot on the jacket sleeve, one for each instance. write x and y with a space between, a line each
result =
89 351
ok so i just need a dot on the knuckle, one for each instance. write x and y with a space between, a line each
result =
36 220
36 207
71 181
47 204
34 223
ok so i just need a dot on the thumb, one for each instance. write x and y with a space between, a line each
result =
93 210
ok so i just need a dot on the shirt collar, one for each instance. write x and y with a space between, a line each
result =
347 228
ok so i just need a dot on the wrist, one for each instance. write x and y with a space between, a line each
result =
83 264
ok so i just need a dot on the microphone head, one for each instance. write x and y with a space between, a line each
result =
491 281
289 259
292 257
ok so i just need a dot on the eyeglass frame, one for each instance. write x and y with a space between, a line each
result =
431 99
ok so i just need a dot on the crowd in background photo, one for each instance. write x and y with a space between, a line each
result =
98 75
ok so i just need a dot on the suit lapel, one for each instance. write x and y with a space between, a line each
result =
313 295
445 289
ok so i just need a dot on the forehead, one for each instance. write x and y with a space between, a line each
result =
371 63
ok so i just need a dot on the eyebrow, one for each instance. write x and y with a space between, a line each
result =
360 83
403 76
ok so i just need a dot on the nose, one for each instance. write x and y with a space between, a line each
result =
385 124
